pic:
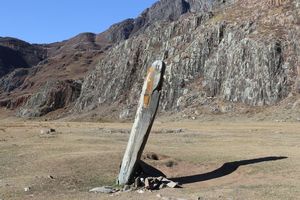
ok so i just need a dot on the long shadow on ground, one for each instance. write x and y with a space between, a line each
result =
149 171
226 169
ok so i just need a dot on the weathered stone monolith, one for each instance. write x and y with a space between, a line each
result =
144 118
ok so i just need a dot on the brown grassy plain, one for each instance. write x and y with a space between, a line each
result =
84 155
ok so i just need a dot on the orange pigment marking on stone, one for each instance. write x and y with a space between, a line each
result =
149 88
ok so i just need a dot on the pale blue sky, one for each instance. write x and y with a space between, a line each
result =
46 21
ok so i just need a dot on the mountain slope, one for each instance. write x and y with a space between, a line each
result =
16 53
214 60
221 56
63 61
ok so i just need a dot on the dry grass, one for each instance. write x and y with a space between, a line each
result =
81 156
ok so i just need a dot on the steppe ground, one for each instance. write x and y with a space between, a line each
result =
213 160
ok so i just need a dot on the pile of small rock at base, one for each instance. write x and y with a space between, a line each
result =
154 183
141 184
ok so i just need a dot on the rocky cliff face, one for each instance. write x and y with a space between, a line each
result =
52 96
219 55
248 57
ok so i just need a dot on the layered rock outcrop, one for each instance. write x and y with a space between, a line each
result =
52 96
249 58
